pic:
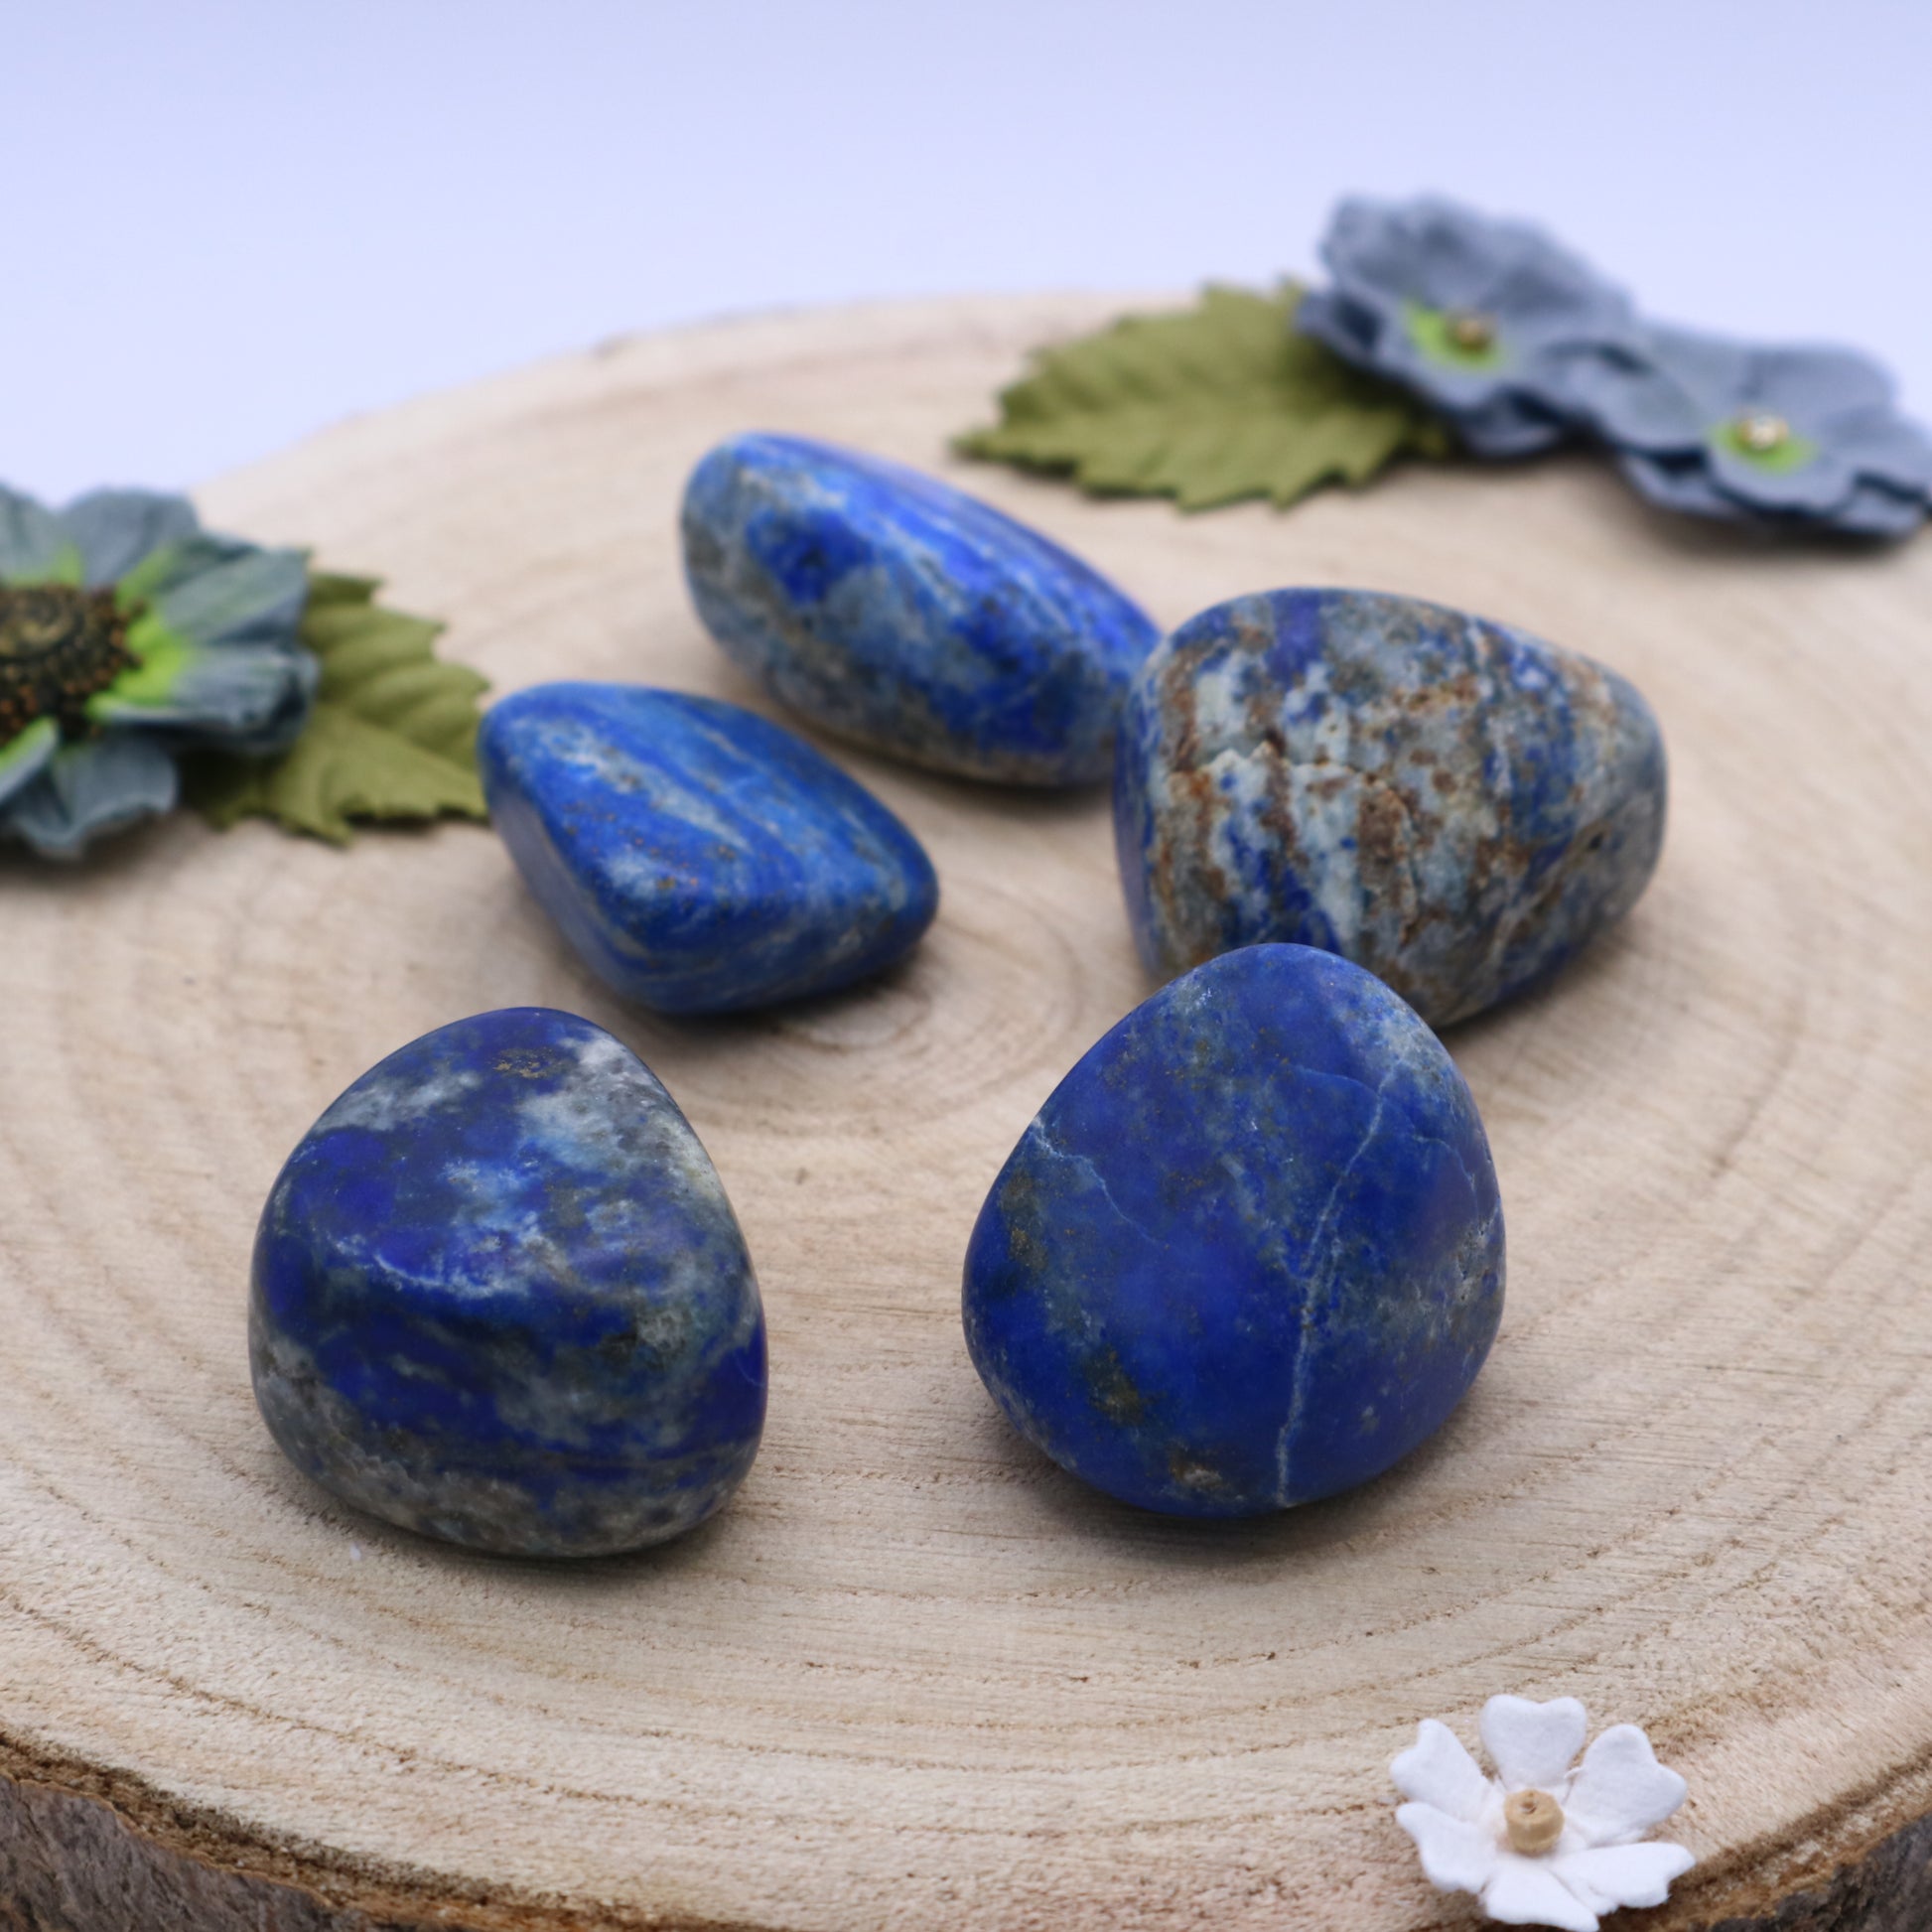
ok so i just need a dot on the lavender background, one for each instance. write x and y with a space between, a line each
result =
227 225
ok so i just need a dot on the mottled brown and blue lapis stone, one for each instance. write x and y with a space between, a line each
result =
1449 802
1250 1252
499 1297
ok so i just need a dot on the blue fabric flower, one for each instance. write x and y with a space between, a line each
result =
1483 318
1800 437
129 635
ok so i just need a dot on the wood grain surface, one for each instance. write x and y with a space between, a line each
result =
915 1677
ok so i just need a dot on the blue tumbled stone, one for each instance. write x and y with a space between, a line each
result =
1250 1252
1451 803
499 1297
700 858
907 617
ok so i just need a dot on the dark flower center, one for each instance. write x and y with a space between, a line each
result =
57 646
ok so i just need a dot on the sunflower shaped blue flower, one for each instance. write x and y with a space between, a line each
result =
1482 318
128 635
1802 438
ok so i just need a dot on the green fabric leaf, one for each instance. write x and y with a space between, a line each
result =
393 735
1207 405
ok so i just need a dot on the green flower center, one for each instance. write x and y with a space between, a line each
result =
59 646
1764 440
1464 339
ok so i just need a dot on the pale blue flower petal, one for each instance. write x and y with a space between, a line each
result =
1662 406
220 591
1414 251
1861 467
1809 382
1873 510
1880 443
1444 256
114 529
248 698
32 542
1818 488
1682 483
287 676
25 756
99 785
227 666
1348 328
1541 311
1390 261
1508 426
1489 422
1687 485
1682 383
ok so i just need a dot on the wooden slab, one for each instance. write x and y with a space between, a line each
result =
915 1677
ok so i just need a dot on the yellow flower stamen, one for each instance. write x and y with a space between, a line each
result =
1761 432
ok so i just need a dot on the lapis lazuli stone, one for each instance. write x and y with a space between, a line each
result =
1451 803
499 1297
700 858
907 617
1250 1252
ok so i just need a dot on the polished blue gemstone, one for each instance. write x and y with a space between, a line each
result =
1250 1252
905 615
700 858
499 1297
1451 803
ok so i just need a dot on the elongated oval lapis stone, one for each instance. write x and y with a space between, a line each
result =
499 1297
700 858
1451 803
905 615
1250 1252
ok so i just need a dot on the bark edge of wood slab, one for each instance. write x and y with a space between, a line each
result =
75 1856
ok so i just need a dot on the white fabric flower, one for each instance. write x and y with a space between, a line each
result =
1541 1844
